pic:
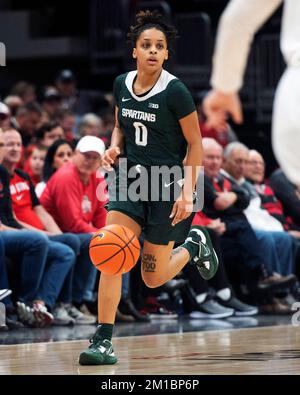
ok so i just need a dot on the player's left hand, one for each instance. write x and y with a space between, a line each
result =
182 209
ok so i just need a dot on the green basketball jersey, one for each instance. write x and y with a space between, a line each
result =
153 135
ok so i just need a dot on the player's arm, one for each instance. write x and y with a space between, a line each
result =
117 138
225 200
47 220
238 24
191 131
116 146
193 161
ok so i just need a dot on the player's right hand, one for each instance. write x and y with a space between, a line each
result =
109 157
217 106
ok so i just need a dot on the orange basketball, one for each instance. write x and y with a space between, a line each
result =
114 249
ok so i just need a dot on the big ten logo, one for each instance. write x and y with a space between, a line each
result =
2 54
153 105
296 316
2 314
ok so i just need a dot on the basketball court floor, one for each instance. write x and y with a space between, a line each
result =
250 345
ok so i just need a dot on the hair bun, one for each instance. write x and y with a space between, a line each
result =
144 17
151 19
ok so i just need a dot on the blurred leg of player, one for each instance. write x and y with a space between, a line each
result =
286 132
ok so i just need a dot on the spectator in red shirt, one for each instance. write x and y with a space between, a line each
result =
71 198
33 216
34 164
29 250
70 195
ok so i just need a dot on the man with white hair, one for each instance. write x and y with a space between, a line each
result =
90 125
225 199
238 24
236 157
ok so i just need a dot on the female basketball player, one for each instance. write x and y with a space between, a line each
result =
155 124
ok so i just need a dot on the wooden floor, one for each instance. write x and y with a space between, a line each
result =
268 350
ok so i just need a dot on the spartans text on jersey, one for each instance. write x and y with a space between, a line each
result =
145 116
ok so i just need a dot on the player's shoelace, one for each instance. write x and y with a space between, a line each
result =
97 342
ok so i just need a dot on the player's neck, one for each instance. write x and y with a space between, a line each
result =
145 81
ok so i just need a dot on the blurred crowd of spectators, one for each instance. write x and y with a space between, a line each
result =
50 153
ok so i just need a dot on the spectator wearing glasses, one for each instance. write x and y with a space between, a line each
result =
224 198
236 159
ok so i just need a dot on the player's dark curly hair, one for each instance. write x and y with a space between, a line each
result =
151 19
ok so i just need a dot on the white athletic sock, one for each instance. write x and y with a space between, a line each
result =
201 297
224 294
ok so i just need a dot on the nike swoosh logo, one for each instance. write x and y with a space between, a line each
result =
167 185
123 99
19 197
